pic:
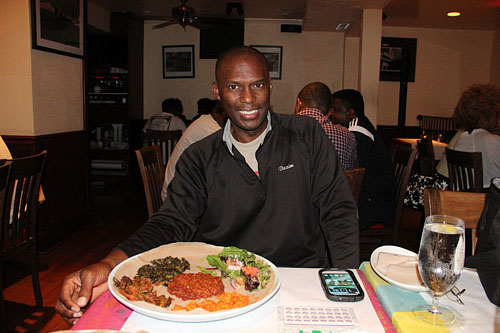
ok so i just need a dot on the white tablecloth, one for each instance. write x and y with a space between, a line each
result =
299 286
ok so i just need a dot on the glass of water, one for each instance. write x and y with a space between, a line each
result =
440 263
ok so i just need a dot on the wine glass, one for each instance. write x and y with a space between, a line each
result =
440 263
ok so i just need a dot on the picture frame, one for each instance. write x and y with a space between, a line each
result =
274 56
398 56
178 61
58 26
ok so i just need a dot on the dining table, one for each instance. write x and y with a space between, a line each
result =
438 146
476 314
300 289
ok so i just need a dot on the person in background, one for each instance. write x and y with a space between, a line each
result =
167 120
315 101
478 115
269 183
377 198
202 127
205 106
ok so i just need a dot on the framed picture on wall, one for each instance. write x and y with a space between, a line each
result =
178 61
398 57
273 55
58 26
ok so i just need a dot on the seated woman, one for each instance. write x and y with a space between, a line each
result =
478 114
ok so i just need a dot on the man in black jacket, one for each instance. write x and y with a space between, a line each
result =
376 200
269 183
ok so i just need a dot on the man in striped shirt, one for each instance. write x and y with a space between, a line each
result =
314 100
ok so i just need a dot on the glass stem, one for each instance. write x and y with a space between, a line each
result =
435 305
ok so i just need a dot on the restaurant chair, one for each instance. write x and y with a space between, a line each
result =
4 175
152 171
355 180
165 139
425 157
434 126
379 234
466 205
18 214
465 170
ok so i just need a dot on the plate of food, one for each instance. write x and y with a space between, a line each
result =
194 282
398 266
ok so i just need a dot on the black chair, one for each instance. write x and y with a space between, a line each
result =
19 215
426 160
465 170
403 158
437 128
152 172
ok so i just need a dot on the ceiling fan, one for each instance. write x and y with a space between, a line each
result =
183 15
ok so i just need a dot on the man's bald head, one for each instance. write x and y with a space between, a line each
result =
316 95
239 51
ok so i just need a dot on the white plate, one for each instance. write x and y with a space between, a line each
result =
189 316
394 250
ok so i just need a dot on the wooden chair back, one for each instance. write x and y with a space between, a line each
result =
466 205
426 159
433 126
403 158
19 214
165 139
152 170
355 179
465 170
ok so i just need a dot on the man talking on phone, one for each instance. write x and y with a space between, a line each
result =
266 182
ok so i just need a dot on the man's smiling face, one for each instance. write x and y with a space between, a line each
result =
244 88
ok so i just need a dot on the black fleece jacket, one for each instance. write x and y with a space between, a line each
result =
299 207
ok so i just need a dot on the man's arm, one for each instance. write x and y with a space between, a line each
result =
82 287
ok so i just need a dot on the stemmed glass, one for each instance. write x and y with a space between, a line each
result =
440 263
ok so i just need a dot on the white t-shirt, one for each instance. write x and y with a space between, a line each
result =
489 145
199 129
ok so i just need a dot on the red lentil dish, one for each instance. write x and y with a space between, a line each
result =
193 278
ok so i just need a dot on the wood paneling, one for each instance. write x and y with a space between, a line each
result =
65 182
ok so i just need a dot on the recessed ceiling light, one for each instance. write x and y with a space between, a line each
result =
342 27
453 14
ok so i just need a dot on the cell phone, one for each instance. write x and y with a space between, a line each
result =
340 285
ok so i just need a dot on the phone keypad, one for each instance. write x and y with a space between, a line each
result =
314 315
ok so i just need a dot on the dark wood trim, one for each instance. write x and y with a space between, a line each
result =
65 182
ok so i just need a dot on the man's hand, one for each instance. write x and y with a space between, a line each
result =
82 287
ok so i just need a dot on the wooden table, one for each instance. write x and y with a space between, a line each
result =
439 147
299 287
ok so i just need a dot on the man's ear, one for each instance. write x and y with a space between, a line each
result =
351 114
297 105
215 90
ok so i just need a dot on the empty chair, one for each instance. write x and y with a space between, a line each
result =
465 170
18 215
426 157
165 139
355 179
433 126
403 159
152 172
465 205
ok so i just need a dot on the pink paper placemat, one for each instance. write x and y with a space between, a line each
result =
105 313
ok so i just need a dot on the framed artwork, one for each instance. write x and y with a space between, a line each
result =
178 61
398 56
274 56
58 26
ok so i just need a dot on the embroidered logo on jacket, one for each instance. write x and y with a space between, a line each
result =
283 168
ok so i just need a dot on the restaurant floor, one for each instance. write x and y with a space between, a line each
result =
117 209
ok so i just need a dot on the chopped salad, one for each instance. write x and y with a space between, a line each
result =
240 266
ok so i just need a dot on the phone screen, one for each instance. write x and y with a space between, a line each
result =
340 283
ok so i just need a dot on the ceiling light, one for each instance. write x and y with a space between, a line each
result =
453 14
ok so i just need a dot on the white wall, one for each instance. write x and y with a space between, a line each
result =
448 61
307 57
